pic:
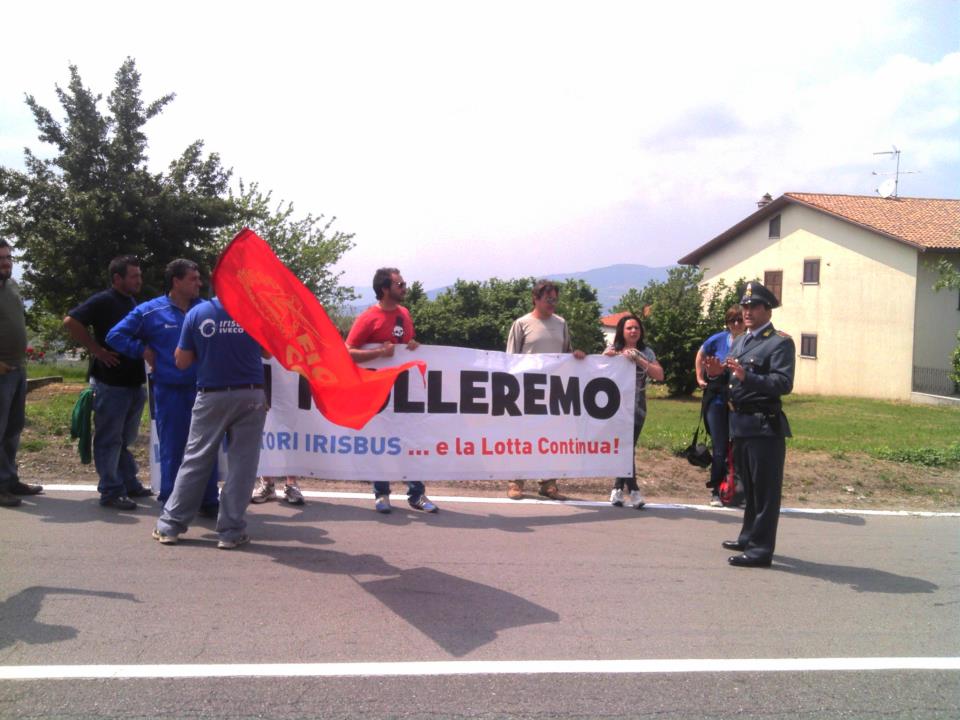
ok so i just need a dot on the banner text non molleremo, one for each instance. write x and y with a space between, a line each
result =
480 415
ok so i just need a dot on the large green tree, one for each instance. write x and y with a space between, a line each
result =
95 198
479 314
308 246
683 313
949 279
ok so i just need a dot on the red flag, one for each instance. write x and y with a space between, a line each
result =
275 308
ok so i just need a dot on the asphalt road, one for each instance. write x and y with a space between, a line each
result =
642 606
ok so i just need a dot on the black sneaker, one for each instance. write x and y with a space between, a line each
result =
121 502
140 492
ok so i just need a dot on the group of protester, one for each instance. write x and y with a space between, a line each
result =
206 380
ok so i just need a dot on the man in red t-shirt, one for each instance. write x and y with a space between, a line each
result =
386 324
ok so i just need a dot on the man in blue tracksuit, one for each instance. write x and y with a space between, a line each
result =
151 331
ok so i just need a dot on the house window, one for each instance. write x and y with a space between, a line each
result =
811 272
774 227
808 346
773 281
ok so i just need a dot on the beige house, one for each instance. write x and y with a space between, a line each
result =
854 276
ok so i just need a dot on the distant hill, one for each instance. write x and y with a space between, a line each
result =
610 282
613 281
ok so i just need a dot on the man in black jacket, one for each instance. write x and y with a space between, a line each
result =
759 370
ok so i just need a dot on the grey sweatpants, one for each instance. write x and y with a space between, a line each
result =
239 415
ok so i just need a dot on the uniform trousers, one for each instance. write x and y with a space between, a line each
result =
239 416
760 461
172 405
13 400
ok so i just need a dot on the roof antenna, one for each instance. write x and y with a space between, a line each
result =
890 186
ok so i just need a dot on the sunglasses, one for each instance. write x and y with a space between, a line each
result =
400 284
736 320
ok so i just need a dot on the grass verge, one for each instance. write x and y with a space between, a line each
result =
916 434
69 371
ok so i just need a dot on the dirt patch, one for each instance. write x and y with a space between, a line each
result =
812 479
52 390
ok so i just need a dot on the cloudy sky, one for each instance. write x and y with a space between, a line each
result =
482 139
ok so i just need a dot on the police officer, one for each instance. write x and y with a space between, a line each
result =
759 370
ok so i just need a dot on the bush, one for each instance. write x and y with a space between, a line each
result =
926 456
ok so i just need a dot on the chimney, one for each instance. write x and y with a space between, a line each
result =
765 200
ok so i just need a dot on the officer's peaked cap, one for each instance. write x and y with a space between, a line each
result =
757 293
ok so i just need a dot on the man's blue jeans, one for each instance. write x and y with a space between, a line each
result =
414 489
718 420
116 415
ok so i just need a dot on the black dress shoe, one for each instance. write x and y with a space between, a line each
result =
19 488
733 545
8 500
140 492
747 561
119 503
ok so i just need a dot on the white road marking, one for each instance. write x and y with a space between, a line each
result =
580 503
476 667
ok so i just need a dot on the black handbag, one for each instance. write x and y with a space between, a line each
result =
697 453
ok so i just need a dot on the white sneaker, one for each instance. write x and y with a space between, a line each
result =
164 539
715 501
636 499
264 491
616 497
231 544
292 494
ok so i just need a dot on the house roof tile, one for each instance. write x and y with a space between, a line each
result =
924 223
612 320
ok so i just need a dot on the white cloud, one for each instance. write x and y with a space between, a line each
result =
495 138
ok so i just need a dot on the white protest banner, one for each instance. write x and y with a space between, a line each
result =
481 415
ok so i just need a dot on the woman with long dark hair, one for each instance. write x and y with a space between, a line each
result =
629 343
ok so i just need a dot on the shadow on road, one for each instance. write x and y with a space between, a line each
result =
858 578
540 516
72 510
87 510
19 613
458 615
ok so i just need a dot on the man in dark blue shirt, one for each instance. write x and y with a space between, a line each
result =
117 380
230 403
151 331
